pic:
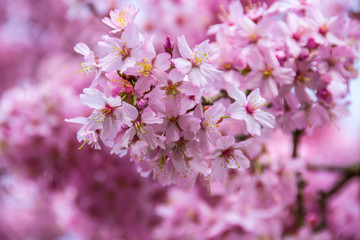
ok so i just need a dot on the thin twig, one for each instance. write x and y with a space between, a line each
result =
300 182
213 99
296 140
300 211
242 137
348 174
339 169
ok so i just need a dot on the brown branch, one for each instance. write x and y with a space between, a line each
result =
355 15
213 99
93 10
296 140
347 174
300 182
355 168
300 211
242 137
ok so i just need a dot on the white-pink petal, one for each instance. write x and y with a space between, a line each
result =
238 95
82 49
197 78
210 72
113 101
149 117
264 118
93 98
130 35
183 65
237 111
252 126
109 130
127 63
162 61
184 48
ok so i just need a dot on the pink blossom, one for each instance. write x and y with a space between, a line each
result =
227 154
149 64
267 74
122 53
249 109
108 113
195 63
209 131
89 65
142 129
119 19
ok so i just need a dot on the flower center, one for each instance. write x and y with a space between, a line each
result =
108 111
122 18
172 89
103 114
200 56
249 109
210 124
140 127
145 67
86 69
267 73
323 29
122 50
228 153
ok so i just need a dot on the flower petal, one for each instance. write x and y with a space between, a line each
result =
184 48
93 98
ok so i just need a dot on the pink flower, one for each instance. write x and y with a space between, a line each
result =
123 52
172 90
248 109
149 64
119 19
108 112
142 129
209 132
178 123
85 134
266 72
195 63
118 85
227 155
89 65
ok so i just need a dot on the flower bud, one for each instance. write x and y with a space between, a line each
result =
142 103
168 45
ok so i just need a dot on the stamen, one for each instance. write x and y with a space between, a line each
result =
122 18
140 127
82 145
200 57
85 69
172 89
145 67
121 50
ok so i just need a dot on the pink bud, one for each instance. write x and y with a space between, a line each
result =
142 103
304 54
311 44
168 45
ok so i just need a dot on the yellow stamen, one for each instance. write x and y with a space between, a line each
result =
145 67
82 145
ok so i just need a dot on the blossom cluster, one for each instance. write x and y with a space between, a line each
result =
153 106
169 111
252 97
298 54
